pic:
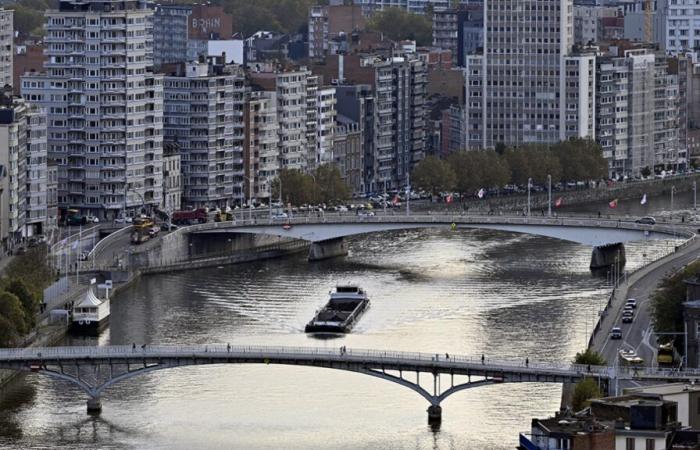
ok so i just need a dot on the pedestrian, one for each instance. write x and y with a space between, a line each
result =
482 359
599 214
341 350
589 367
133 346
228 348
527 362
447 355
143 347
206 349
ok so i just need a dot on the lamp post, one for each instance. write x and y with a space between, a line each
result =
279 180
673 191
408 193
695 196
549 184
529 184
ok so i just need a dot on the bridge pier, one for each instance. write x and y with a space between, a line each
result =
94 405
435 416
330 248
608 255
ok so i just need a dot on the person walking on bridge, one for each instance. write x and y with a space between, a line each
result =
483 359
527 362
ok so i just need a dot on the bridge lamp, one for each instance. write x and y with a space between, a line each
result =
529 185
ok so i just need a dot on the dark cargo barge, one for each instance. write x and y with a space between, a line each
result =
344 308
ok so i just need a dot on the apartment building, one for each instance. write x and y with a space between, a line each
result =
262 161
517 86
104 106
203 115
327 23
412 6
172 178
170 33
459 30
325 124
7 35
637 111
292 88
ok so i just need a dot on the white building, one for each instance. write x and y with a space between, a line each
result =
104 105
412 6
262 151
7 34
325 124
517 88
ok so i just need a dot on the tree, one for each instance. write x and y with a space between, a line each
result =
433 175
519 166
467 170
398 25
585 391
30 303
590 357
646 172
297 187
33 269
8 333
331 187
11 309
667 301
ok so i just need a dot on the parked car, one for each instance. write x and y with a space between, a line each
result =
631 302
616 333
281 215
646 221
92 219
119 219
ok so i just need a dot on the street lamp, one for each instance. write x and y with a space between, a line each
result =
279 180
695 196
549 183
529 184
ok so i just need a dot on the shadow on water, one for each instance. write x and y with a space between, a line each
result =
13 398
325 336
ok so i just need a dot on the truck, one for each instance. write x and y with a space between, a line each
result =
189 217
142 230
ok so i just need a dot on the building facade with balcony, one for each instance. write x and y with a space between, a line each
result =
262 157
204 118
7 35
104 106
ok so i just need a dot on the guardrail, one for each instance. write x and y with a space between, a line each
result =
105 242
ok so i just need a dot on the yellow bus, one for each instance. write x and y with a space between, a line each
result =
665 355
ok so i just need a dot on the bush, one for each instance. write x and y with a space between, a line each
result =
590 357
583 393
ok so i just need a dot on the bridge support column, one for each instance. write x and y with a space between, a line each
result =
94 405
434 416
607 256
327 249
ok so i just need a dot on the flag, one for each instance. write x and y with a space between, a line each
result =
481 193
613 204
644 200
448 199
395 200
558 202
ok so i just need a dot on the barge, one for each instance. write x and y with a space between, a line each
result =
342 311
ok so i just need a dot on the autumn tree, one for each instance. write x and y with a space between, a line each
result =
433 175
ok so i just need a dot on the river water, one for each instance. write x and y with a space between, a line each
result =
466 292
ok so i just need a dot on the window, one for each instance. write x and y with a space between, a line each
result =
651 444
629 444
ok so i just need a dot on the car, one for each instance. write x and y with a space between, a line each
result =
616 333
92 219
119 219
154 231
83 256
281 215
646 220
628 308
627 319
342 208
631 302
129 220
166 227
366 214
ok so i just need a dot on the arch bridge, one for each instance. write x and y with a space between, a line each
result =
326 232
94 369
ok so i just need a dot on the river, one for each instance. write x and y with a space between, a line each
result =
465 292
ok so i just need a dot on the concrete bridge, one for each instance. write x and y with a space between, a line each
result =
326 232
94 369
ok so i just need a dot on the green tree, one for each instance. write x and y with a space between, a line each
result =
590 357
667 301
11 309
8 332
30 303
398 25
331 187
584 392
433 175
519 166
33 269
467 169
298 188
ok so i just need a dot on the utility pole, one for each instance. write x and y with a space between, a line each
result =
529 184
549 183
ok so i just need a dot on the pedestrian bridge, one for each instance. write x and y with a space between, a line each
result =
94 369
588 231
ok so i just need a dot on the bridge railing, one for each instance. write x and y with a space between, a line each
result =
298 352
